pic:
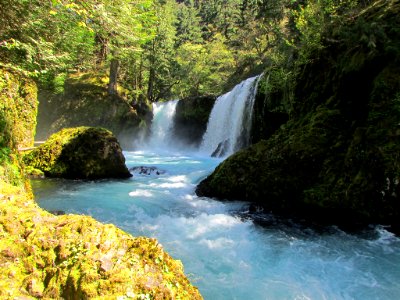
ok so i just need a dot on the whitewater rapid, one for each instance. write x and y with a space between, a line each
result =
224 249
224 252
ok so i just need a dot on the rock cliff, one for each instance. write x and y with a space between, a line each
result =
333 154
83 100
191 117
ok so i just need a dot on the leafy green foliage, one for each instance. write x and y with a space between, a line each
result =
205 67
165 48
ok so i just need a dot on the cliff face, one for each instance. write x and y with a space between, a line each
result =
83 100
191 118
335 159
69 257
18 109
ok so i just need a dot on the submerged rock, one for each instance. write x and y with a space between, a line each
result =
83 152
143 170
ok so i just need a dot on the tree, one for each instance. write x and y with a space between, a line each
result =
188 24
160 52
203 68
122 27
37 36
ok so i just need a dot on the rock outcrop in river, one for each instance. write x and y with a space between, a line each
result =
79 153
191 117
333 153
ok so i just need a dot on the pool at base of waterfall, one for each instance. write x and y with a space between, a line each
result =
225 254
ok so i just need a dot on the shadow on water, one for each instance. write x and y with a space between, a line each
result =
303 229
49 188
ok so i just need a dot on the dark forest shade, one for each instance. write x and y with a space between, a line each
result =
336 159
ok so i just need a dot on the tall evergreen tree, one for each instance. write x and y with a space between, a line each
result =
161 53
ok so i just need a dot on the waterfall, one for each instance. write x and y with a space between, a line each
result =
229 124
161 126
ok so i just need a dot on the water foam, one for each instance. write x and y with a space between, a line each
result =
161 138
226 256
141 193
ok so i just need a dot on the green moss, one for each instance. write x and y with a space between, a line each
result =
336 159
43 256
18 109
75 256
83 152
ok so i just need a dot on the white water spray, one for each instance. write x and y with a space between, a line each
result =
229 124
161 126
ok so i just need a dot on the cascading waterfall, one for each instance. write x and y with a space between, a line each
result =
229 255
229 124
161 126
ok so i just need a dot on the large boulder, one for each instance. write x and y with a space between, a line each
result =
83 152
337 158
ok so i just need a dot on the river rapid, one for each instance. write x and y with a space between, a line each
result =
224 251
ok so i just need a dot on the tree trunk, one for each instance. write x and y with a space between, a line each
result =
102 49
152 74
112 85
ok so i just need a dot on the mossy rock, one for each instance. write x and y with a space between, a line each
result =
18 109
336 159
43 256
191 118
83 152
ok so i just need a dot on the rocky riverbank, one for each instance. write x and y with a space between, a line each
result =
332 154
68 256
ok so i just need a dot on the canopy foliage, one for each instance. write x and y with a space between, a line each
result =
165 48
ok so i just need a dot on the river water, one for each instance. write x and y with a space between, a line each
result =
224 249
224 252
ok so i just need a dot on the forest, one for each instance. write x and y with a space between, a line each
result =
161 50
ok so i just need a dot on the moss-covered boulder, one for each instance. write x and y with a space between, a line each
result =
191 118
43 256
336 159
82 152
82 99
18 109
76 257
